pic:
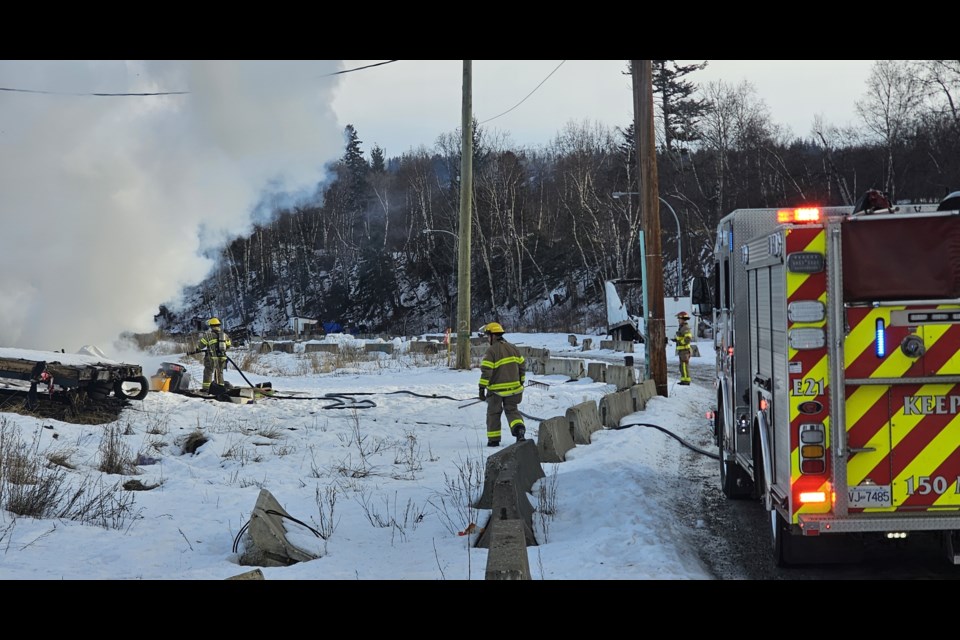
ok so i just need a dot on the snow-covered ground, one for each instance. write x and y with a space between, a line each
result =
378 455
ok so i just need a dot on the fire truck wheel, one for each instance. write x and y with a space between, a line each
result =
132 388
782 540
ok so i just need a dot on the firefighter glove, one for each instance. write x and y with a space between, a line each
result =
483 394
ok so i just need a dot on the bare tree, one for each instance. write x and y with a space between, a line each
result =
889 108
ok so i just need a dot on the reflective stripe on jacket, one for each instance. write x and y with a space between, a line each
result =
684 337
502 369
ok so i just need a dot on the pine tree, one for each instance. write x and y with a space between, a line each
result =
679 110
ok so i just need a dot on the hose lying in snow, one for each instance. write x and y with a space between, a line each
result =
710 454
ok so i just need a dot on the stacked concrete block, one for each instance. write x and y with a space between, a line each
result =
508 477
587 344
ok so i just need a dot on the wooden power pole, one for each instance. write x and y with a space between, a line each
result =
466 192
656 340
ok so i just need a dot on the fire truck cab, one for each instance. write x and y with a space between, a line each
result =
837 337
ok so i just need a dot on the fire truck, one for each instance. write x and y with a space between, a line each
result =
837 335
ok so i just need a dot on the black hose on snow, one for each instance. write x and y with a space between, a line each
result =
709 454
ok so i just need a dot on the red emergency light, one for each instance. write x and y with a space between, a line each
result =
800 215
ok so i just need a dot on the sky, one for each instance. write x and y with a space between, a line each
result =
113 203
405 104
388 479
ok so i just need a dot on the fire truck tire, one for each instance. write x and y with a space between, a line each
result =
138 390
782 540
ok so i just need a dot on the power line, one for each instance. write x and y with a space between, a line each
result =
69 93
160 93
528 95
335 73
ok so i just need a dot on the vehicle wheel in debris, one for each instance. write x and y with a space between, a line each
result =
132 388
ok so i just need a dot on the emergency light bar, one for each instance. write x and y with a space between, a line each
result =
800 215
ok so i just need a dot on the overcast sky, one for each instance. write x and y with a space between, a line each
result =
409 103
110 202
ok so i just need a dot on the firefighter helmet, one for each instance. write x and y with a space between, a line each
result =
214 322
493 327
683 315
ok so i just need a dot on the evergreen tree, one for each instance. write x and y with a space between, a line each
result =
377 162
356 170
679 110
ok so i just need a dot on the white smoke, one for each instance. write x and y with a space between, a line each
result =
108 203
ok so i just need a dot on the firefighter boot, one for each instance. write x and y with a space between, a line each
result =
493 443
518 433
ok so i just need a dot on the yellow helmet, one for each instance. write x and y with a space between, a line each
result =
493 327
214 322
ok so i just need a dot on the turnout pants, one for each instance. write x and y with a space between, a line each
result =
684 355
496 405
212 372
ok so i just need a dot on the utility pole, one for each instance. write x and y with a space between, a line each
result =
655 340
466 193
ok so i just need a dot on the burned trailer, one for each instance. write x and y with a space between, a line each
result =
61 374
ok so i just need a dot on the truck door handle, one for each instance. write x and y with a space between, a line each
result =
861 449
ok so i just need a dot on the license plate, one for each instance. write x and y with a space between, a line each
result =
869 495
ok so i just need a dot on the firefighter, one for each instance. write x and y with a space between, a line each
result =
214 344
502 374
683 339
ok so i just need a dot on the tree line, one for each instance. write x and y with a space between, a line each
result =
547 231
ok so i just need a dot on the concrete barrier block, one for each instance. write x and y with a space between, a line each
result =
523 461
651 387
283 347
321 347
620 375
570 367
617 345
583 419
256 574
509 502
614 406
572 340
597 371
378 347
269 545
639 393
534 358
507 554
587 344
554 439
420 346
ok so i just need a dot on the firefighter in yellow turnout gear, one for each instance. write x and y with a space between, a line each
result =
214 344
683 339
502 374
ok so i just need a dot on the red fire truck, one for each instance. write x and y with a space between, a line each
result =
837 334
